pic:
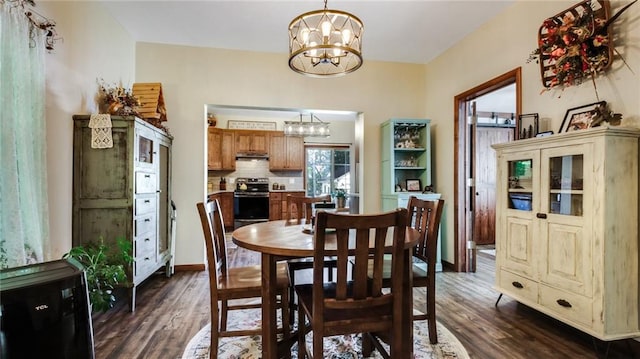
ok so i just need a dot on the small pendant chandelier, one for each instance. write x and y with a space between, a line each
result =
325 43
307 129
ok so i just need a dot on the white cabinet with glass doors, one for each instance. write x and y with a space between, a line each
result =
567 228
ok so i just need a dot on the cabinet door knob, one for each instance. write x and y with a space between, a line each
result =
563 303
517 285
541 215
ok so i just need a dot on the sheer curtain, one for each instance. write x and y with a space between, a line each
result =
24 223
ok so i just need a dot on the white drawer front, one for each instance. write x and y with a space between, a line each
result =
145 224
145 247
571 306
145 182
145 205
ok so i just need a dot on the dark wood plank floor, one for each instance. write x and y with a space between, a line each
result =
170 311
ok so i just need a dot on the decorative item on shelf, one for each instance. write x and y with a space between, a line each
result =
603 114
307 129
413 185
580 118
544 134
527 125
117 100
211 119
341 197
514 182
152 102
407 136
325 43
428 189
575 44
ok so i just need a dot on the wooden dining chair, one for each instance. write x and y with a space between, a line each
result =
300 208
424 215
353 303
230 283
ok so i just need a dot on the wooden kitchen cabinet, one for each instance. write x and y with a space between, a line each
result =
286 153
221 149
567 228
278 204
275 206
226 206
251 141
124 192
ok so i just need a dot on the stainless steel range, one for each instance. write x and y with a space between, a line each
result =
250 201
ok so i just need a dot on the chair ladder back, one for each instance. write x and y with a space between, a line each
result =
303 207
294 208
370 236
425 217
215 242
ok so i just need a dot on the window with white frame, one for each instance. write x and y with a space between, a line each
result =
327 169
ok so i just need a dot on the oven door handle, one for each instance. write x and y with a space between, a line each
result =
251 195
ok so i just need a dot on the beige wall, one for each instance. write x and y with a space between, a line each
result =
192 77
502 45
93 46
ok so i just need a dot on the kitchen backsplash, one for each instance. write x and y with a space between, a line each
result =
292 180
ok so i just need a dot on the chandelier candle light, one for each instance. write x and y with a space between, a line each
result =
307 129
325 43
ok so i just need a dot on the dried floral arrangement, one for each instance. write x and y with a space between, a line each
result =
117 100
602 113
575 44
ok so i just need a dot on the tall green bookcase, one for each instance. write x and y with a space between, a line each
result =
406 158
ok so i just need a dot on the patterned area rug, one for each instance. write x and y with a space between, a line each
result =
338 347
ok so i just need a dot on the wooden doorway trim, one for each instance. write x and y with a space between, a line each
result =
460 148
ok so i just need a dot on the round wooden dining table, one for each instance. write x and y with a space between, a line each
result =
278 240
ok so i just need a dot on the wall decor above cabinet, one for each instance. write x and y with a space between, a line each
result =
251 125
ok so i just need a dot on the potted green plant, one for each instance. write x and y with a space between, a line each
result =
341 197
105 270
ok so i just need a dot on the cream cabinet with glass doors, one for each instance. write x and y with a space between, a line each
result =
567 228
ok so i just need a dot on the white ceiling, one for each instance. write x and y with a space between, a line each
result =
414 31
407 31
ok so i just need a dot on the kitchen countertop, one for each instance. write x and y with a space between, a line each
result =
219 191
274 191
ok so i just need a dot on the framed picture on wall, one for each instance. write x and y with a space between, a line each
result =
579 118
414 185
527 125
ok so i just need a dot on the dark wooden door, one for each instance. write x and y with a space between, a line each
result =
484 225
